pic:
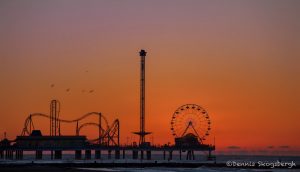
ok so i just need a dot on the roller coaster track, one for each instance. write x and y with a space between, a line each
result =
112 134
89 124
29 125
98 140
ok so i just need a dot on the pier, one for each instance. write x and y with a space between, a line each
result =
114 152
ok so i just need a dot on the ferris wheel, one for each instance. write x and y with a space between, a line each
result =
191 119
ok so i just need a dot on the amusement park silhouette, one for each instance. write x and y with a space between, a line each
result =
190 125
98 84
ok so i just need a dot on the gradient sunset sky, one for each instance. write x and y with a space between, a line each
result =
240 60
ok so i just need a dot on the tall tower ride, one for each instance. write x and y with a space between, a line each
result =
142 133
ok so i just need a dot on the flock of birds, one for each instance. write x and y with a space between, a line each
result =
69 89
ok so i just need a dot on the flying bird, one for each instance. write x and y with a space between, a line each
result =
91 91
52 85
67 90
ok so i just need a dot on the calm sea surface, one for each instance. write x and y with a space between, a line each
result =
233 160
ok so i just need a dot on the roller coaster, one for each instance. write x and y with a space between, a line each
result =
108 135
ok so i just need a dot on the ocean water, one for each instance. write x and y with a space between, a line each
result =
235 160
200 169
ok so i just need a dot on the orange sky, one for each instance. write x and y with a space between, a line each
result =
239 60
